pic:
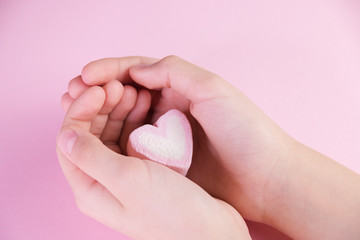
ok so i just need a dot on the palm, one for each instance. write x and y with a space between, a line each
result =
205 163
236 158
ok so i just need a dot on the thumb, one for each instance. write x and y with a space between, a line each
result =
193 82
88 153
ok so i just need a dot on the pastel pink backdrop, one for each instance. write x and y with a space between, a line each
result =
298 60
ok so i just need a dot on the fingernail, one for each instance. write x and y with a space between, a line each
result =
140 67
66 140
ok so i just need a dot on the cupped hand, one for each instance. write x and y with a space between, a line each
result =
239 153
139 198
124 110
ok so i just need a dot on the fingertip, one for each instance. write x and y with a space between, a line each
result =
129 98
143 75
131 94
142 106
66 101
125 105
99 72
136 117
87 73
65 140
76 87
103 70
145 94
98 92
85 108
138 68
90 101
114 91
114 126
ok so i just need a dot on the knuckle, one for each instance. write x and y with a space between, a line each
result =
85 71
215 79
131 172
218 85
171 59
82 155
210 81
71 84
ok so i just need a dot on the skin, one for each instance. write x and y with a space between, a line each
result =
240 155
130 195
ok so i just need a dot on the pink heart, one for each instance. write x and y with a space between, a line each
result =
168 142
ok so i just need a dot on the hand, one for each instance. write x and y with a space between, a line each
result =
239 153
140 198
244 158
123 111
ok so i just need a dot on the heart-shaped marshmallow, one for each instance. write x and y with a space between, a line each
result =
168 142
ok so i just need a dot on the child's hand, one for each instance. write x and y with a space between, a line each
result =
140 198
240 155
123 111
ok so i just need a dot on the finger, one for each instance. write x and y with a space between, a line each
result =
112 130
66 101
115 172
92 198
101 71
143 187
113 91
89 194
76 87
191 81
85 108
136 117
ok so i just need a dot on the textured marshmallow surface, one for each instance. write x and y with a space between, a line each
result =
168 142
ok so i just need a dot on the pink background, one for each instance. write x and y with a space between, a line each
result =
298 60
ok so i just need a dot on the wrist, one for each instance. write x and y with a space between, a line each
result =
314 187
280 186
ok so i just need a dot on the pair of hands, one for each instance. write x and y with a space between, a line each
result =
241 163
231 161
126 193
